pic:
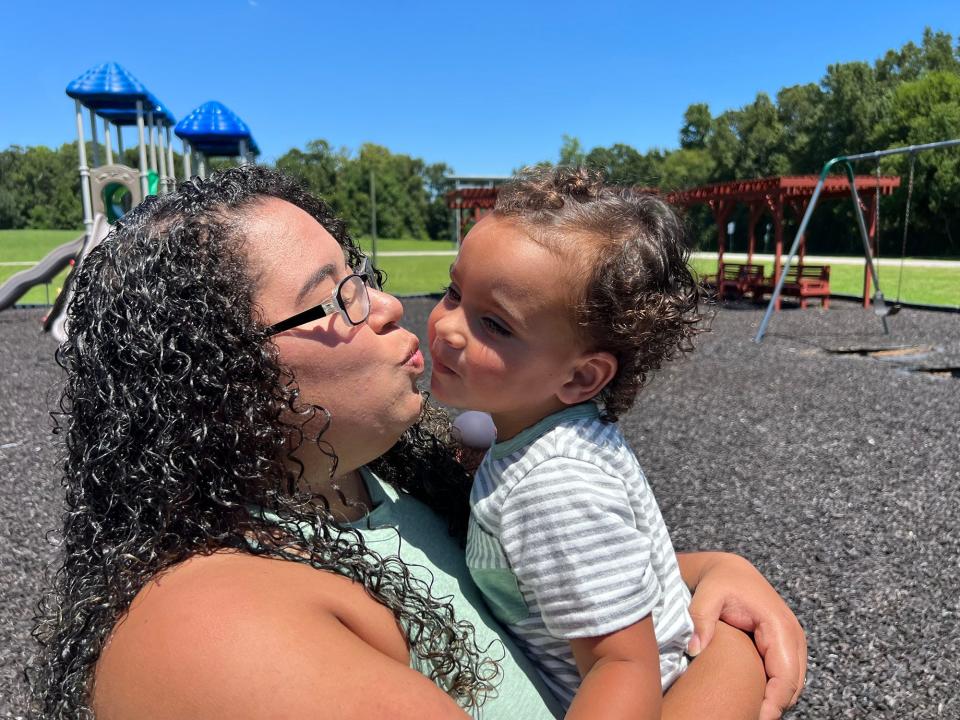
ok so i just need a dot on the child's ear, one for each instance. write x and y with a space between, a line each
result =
591 374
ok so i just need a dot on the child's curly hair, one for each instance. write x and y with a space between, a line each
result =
640 301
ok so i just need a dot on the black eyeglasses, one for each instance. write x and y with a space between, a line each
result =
350 299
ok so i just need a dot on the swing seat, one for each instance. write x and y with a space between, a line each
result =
804 282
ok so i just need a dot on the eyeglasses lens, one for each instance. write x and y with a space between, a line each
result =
355 301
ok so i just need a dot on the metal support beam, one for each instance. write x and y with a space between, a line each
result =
187 151
84 172
107 141
144 184
93 133
170 161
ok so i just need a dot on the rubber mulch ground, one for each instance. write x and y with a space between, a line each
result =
837 473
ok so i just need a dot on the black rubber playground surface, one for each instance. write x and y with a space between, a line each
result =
837 473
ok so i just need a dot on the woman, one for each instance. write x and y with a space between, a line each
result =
227 552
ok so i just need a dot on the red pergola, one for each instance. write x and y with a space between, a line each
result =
477 200
775 195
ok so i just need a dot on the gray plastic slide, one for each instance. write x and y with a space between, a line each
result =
43 272
56 321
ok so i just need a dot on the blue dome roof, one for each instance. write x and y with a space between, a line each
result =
128 116
223 148
214 129
107 85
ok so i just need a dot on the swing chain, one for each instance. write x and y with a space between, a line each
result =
906 222
876 217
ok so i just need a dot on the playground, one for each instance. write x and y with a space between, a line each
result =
826 454
832 469
115 99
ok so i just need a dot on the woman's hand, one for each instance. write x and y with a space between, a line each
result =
727 587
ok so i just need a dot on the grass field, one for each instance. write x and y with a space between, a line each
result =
922 285
388 245
31 246
417 275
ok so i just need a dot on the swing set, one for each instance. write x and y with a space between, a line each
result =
880 307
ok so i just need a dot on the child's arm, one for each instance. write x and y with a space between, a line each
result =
724 682
621 674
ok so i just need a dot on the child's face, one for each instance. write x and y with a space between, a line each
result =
502 338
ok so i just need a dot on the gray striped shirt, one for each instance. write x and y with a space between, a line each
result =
566 541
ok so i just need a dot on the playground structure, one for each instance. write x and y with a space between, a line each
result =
881 309
214 130
109 190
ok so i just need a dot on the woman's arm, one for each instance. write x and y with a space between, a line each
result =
727 587
234 637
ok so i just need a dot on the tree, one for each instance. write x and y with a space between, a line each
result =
686 168
571 151
760 132
697 124
922 111
800 110
623 165
438 216
854 103
317 165
723 147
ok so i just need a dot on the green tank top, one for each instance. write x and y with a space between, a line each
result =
400 525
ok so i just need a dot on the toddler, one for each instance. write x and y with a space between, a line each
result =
560 303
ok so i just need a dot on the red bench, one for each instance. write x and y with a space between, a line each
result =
739 279
803 282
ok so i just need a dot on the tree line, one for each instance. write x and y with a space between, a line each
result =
908 96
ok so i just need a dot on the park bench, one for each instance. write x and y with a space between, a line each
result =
739 279
803 282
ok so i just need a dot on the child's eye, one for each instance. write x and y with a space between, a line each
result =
495 327
451 292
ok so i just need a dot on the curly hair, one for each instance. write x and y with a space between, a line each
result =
635 295
177 417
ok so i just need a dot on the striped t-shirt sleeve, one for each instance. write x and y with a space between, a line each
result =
570 537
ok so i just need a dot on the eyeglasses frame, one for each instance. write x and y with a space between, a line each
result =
334 304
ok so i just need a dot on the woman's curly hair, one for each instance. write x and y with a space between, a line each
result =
634 293
176 416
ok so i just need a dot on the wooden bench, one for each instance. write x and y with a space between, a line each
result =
803 282
739 279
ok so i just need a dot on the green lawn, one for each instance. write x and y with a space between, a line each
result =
923 285
393 245
32 245
415 275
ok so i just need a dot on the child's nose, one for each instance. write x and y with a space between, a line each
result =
449 328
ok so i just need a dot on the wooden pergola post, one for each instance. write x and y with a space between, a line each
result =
778 240
799 207
721 209
756 212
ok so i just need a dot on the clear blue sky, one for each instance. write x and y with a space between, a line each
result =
483 86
